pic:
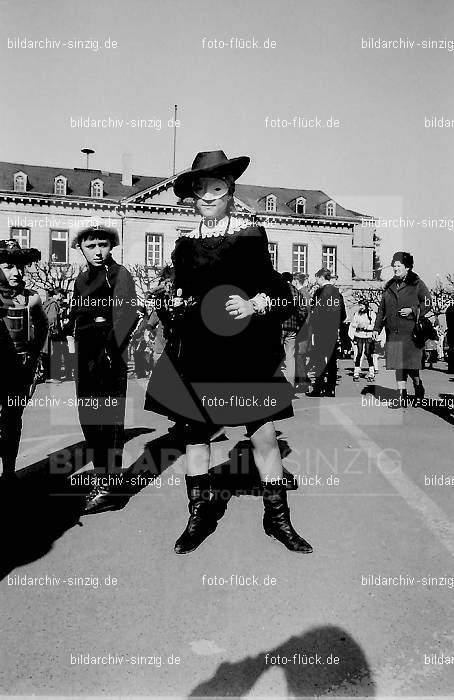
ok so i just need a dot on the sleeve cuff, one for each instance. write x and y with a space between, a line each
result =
261 303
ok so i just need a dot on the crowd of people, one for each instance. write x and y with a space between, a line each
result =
227 341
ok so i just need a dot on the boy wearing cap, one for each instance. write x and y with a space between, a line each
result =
23 329
102 316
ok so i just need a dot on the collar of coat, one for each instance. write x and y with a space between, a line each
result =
411 278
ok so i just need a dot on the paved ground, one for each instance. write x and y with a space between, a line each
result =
162 625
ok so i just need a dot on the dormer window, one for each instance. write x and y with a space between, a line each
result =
97 189
20 182
300 207
60 185
270 203
331 208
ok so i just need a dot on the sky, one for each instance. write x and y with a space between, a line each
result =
381 159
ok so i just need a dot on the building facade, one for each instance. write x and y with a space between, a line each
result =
44 207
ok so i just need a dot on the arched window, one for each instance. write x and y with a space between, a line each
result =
270 203
60 185
97 189
20 182
330 208
300 205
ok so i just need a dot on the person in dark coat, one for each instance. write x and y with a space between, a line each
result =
56 346
23 329
402 296
301 282
293 328
221 365
102 317
327 315
450 337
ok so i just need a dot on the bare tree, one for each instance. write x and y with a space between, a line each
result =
377 267
47 277
148 278
442 296
450 280
372 295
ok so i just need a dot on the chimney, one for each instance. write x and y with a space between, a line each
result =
126 170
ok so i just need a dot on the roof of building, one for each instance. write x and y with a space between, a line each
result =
40 181
255 197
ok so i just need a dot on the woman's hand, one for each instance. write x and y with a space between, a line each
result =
375 335
405 312
238 307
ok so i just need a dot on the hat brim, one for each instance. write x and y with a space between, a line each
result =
22 256
234 167
112 237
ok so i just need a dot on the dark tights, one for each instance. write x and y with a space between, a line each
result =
403 374
366 345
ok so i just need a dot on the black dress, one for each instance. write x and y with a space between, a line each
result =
217 370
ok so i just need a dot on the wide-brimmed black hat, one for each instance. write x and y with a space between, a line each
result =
209 164
11 252
91 231
404 258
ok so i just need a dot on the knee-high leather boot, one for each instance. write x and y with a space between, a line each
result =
202 514
276 519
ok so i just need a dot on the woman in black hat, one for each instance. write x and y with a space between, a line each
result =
404 297
23 329
222 363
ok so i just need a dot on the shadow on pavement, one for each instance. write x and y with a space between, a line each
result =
445 410
239 474
383 393
41 504
351 676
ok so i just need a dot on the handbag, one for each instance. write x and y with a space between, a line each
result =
423 330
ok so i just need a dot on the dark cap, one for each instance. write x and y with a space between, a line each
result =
105 232
404 258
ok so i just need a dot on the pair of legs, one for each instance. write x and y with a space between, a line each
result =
14 392
301 361
57 361
101 393
207 506
401 379
364 345
402 376
10 430
325 370
264 448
